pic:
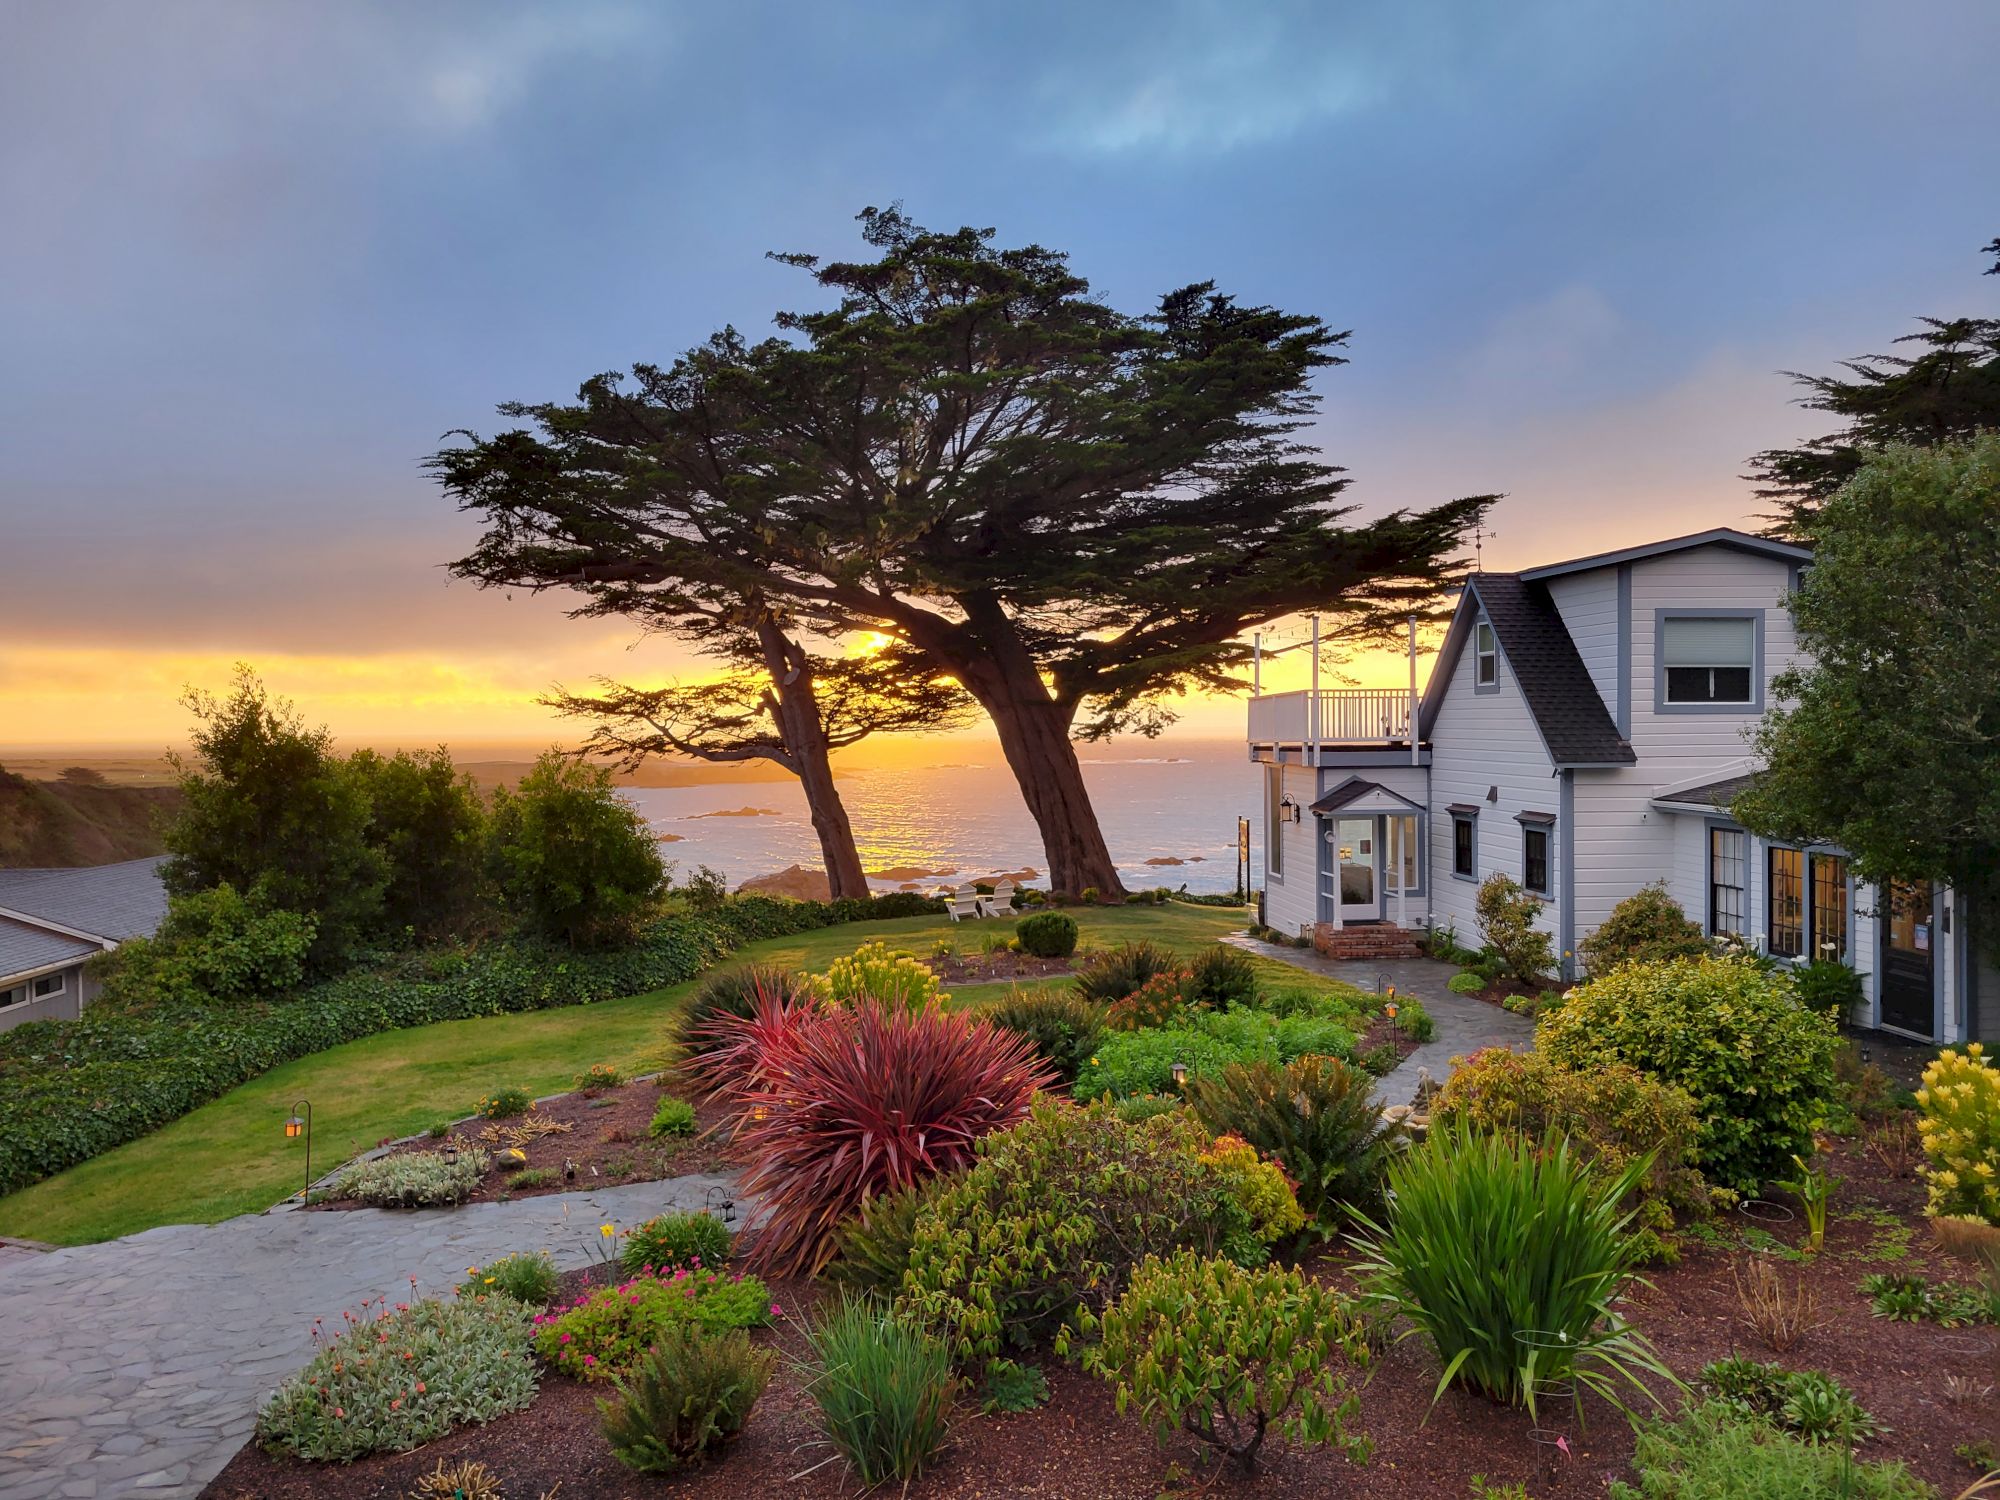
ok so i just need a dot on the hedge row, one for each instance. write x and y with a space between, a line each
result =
71 1090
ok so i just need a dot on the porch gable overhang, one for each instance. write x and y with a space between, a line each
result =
1359 797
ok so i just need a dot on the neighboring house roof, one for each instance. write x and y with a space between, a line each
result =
25 949
108 902
1715 794
1363 796
1574 724
1720 536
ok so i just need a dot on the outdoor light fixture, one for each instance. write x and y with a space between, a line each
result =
1389 1010
450 1154
1287 804
1180 1075
300 1123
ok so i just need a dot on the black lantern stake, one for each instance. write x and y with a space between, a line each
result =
296 1125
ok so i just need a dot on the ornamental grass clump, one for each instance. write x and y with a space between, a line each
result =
1114 973
528 1279
733 992
856 1102
687 1395
604 1332
673 1240
1064 1027
1232 1357
884 1390
1960 1131
399 1377
878 974
1509 1255
413 1179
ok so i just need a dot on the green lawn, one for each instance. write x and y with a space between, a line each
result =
231 1156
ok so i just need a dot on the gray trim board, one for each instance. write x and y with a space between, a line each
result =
1754 706
1565 877
1719 536
1621 713
1459 813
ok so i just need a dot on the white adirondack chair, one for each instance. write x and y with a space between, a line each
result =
1001 902
961 903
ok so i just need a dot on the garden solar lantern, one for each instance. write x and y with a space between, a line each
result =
300 1123
450 1154
1180 1075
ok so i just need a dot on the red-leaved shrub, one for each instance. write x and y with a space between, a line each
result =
734 1052
855 1102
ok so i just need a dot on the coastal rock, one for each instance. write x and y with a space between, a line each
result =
908 873
795 881
669 838
737 812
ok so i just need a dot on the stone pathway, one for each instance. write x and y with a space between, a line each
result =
135 1367
1464 1025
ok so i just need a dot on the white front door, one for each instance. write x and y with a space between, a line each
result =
1354 865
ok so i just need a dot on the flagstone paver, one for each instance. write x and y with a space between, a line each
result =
135 1367
1464 1024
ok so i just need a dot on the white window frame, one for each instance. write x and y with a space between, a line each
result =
1485 655
15 995
61 986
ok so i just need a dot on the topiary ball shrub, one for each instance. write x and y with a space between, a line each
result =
1064 1026
1646 926
1757 1063
688 1394
1047 934
1200 1345
674 1240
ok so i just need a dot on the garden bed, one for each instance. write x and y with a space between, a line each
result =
996 967
1077 1445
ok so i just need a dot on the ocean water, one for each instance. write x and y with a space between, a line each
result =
1165 801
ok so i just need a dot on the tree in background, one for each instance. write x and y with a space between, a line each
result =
212 945
794 718
427 820
268 809
570 858
1886 743
1948 389
1072 512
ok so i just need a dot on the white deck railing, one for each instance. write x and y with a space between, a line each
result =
1332 716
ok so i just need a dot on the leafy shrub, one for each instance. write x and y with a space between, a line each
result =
1414 1021
570 858
1055 1213
1317 1118
413 1179
1220 976
884 1390
213 944
1164 1000
1614 1115
673 1117
1114 973
397 1379
599 1077
1047 934
853 1103
1960 1130
874 1245
1828 984
876 972
1136 1107
504 1104
1142 1062
528 1279
1231 1356
70 1090
675 1240
733 992
1807 1402
1010 1386
1260 1186
1758 1065
692 1391
1465 982
1507 916
603 1332
1064 1027
1713 1453
1491 1238
1646 926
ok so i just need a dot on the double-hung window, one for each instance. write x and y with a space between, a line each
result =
1465 844
1485 656
1708 660
1728 881
1536 831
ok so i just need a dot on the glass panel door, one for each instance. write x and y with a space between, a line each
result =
1909 1000
1355 856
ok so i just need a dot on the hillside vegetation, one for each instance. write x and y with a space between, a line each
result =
81 819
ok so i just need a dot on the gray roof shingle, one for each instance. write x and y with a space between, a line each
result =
1711 794
24 948
113 902
1575 725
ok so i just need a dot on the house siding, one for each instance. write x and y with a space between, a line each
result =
1289 897
77 992
1588 604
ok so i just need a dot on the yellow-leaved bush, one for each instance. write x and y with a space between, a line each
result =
1960 1128
875 971
1260 1186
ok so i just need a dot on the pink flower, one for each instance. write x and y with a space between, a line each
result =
564 1339
777 1311
590 1359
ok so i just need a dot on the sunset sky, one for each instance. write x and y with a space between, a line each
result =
256 259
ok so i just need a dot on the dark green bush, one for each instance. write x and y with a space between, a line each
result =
1220 977
692 1391
1064 1027
875 1244
676 1240
1047 934
1116 972
1647 925
1828 984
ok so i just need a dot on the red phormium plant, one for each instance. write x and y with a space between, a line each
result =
740 1050
865 1101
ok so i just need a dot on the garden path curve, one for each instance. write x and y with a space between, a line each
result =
135 1367
1464 1024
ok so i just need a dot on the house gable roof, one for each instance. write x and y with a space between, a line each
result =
25 950
1569 714
1713 796
1357 794
1719 536
109 903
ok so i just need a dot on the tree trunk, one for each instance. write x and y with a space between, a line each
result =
804 734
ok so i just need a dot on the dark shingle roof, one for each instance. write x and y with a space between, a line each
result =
24 948
1353 790
1568 710
114 902
1711 794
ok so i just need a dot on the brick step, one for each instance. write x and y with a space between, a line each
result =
1377 941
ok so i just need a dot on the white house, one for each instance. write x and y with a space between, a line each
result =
53 921
1584 729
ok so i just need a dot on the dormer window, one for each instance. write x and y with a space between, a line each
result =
1485 656
1709 659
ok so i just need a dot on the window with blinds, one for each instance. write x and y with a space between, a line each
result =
1708 659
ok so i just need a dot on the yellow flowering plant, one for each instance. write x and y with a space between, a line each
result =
1960 1131
875 971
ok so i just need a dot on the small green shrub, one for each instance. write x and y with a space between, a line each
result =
398 1379
674 1240
689 1393
1758 1065
1465 982
875 1244
1317 1118
1414 1021
1807 1402
1507 916
413 1179
504 1104
1712 1452
1232 1357
1136 1107
1142 1062
528 1279
1047 934
1646 926
884 1390
604 1332
1828 984
1064 1026
1220 977
1510 1256
1009 1386
674 1116
1114 973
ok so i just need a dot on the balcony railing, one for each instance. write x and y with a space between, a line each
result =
1334 716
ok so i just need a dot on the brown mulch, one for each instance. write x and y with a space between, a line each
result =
606 1142
991 968
1384 1032
1077 1445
